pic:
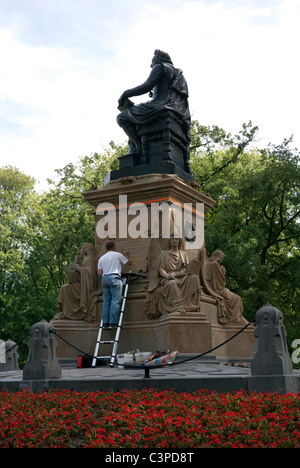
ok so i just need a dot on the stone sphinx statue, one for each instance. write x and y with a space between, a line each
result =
213 279
171 287
78 298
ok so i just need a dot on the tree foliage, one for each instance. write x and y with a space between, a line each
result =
18 209
255 220
39 236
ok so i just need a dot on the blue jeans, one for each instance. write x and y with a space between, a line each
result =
112 294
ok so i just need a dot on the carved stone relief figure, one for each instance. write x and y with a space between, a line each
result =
77 299
171 287
213 278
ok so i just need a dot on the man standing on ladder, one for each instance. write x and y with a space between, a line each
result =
110 267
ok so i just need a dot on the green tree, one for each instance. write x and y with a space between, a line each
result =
66 222
89 173
39 236
213 150
255 222
19 204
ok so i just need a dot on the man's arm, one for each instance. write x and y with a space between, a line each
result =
128 263
99 272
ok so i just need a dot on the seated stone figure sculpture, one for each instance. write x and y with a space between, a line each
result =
176 290
213 278
77 299
168 89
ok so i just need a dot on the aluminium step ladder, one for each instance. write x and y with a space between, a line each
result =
115 342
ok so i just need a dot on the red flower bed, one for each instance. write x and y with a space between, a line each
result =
148 418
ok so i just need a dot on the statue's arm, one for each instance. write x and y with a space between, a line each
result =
147 86
163 273
75 266
166 276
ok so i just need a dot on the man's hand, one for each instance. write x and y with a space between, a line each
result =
128 260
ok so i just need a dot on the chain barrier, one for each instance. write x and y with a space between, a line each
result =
70 344
147 368
141 366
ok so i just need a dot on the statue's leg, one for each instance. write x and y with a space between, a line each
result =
130 130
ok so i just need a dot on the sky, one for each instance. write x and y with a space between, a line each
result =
65 63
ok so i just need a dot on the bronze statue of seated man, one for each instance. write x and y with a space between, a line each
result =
168 89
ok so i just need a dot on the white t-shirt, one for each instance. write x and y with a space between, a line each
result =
111 262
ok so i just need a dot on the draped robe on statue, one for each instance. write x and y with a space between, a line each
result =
182 292
214 279
77 299
170 92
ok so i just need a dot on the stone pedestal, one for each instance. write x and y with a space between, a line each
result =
241 347
188 333
76 334
132 192
165 150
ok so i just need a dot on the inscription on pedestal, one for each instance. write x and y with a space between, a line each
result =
138 251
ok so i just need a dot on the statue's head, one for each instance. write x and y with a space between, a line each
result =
218 256
175 241
73 276
87 249
162 57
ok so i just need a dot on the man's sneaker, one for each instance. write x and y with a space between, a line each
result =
106 325
113 325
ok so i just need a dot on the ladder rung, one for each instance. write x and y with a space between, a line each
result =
106 342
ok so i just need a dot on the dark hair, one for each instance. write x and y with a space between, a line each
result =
109 245
163 56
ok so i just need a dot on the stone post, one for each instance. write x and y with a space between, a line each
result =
271 365
42 360
9 362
